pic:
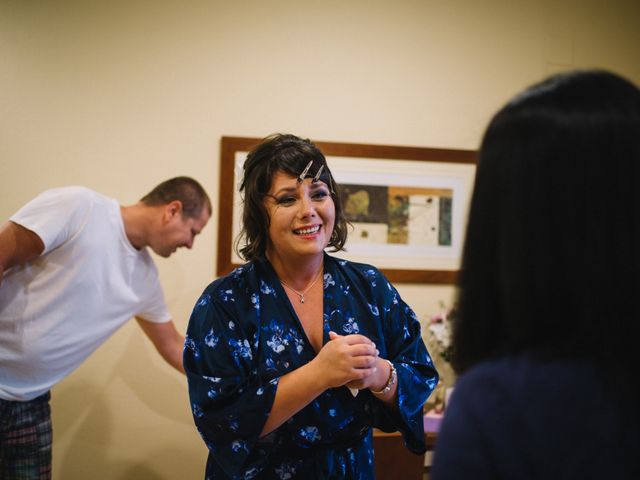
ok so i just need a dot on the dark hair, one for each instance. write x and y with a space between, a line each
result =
289 154
551 263
185 189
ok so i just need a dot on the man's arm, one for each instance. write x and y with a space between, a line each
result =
167 340
17 245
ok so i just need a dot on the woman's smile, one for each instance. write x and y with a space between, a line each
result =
301 217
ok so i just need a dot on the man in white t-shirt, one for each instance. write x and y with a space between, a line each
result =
74 267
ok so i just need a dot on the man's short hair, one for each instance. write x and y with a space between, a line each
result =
185 189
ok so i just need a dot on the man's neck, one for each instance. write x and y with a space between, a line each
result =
136 219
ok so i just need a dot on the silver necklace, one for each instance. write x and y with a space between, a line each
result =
302 294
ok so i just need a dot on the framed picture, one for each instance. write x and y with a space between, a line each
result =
407 205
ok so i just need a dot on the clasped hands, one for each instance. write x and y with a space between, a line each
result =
352 361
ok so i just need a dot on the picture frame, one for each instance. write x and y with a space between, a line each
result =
422 243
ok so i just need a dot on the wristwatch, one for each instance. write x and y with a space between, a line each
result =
390 381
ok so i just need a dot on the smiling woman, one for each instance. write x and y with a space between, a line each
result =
270 348
302 216
273 160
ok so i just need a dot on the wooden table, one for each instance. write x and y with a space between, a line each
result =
393 461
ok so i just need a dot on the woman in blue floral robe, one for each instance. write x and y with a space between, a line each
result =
250 334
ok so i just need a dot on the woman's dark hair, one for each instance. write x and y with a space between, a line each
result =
289 154
551 263
185 189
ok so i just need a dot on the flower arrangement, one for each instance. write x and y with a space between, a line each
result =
440 330
439 327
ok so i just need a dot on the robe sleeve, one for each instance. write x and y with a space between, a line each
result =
417 376
230 403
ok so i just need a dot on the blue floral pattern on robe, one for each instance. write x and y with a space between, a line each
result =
244 335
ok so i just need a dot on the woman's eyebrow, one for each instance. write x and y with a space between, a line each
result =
285 190
318 185
293 189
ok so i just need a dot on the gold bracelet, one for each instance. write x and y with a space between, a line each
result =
390 381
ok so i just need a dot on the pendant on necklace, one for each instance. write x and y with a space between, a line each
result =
302 294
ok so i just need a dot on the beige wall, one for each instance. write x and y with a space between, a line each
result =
120 95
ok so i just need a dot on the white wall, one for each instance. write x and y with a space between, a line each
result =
121 95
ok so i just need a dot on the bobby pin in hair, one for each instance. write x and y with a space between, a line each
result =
317 176
304 172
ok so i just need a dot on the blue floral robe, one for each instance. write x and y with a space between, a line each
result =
244 335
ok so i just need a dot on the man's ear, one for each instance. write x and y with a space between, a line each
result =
172 209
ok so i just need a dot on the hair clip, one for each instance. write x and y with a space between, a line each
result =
304 172
317 176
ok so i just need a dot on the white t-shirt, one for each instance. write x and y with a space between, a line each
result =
57 309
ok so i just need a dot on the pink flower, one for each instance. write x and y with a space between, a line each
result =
440 317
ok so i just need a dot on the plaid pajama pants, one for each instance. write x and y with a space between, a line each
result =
25 439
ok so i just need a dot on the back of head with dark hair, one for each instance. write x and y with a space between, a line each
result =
289 154
551 261
185 189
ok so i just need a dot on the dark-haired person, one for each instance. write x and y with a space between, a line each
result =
74 267
272 347
548 325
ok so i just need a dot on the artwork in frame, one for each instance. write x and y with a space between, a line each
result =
407 205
